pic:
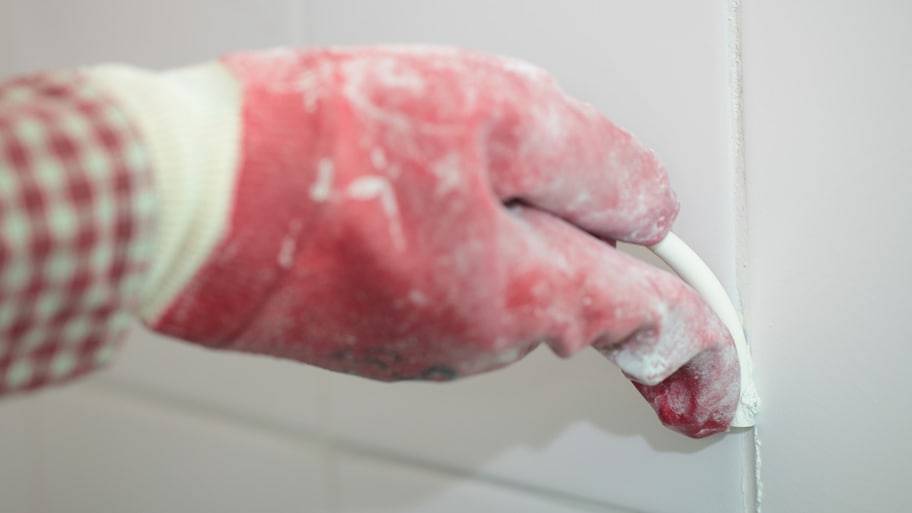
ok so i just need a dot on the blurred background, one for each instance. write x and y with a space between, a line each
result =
784 126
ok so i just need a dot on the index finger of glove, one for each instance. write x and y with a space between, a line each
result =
563 156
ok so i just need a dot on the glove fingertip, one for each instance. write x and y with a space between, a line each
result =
700 398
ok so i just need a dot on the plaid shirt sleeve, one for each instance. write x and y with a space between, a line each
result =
76 212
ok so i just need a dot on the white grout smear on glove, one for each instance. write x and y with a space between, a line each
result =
378 187
322 186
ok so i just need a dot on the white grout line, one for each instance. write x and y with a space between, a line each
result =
752 485
338 446
736 108
757 447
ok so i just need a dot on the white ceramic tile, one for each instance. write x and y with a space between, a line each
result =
19 456
279 392
372 486
574 427
7 64
659 69
109 455
827 113
48 33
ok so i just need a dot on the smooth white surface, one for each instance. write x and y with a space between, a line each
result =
7 48
688 265
19 461
280 393
827 110
156 33
105 453
566 426
372 486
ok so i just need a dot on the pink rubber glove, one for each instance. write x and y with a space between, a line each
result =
414 214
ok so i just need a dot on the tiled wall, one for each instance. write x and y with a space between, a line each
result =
176 428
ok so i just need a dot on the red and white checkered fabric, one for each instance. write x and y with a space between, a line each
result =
76 208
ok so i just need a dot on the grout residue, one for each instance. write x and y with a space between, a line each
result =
758 490
753 484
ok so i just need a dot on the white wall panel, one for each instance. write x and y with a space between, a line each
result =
827 113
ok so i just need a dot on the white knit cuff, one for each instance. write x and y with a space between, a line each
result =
190 119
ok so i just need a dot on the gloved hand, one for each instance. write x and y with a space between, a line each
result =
403 213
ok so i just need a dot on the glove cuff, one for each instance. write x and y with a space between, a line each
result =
190 120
